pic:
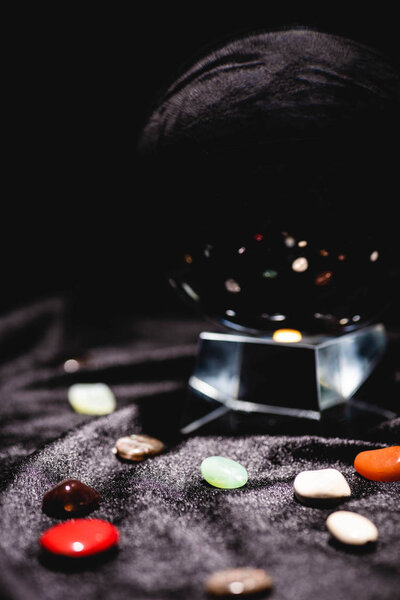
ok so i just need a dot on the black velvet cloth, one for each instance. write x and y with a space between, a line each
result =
273 99
175 529
270 87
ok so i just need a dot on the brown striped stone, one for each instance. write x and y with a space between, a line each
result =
241 581
137 447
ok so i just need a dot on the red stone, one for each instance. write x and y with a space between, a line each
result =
379 465
80 537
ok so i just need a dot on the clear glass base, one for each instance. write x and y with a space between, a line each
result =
258 382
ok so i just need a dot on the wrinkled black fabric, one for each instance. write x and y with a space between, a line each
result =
271 87
175 529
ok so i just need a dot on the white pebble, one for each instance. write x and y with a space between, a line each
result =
92 398
351 528
322 483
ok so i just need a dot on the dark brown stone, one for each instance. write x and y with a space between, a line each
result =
242 581
137 447
70 498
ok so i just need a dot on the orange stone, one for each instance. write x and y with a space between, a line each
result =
379 465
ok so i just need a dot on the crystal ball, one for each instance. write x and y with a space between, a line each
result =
270 276
270 158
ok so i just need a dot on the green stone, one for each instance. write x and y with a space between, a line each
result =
92 399
223 472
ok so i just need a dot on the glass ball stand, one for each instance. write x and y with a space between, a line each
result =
243 384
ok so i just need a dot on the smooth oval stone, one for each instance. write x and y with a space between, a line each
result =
223 472
379 465
351 528
80 537
238 582
137 447
92 399
324 484
70 498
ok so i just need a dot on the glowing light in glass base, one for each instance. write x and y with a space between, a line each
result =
287 336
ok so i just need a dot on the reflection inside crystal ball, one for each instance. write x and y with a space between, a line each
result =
263 281
281 247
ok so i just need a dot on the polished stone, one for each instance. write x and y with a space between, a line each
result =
351 528
137 447
324 484
242 581
92 399
223 472
379 465
70 498
80 537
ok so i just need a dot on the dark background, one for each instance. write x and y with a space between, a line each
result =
76 218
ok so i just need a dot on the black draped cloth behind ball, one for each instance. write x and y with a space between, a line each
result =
273 157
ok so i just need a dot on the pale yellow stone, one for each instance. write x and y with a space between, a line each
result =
92 399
